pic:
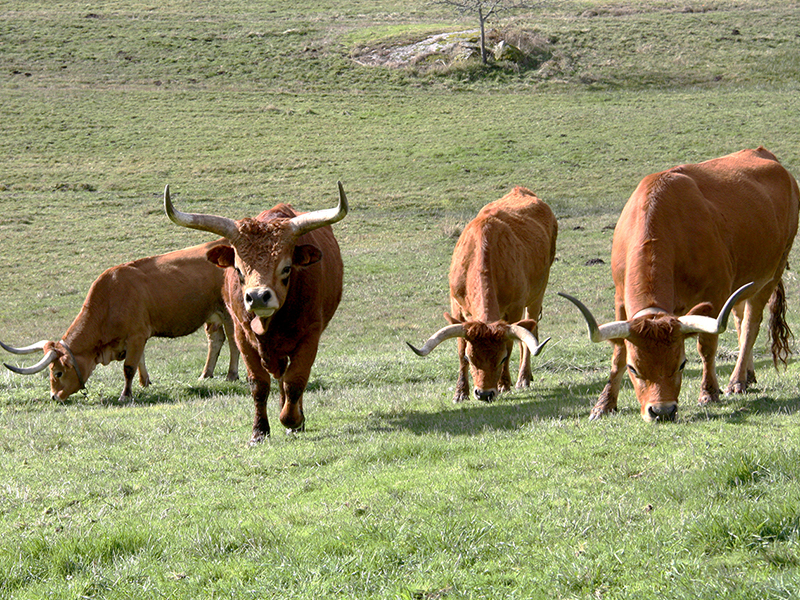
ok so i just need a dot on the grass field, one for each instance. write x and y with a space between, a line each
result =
392 491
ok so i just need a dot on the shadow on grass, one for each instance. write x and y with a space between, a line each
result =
509 412
154 394
518 408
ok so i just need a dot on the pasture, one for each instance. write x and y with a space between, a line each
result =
392 491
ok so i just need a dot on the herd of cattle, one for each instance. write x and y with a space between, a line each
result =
693 244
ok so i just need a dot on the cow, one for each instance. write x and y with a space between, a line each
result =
283 284
168 295
498 276
686 239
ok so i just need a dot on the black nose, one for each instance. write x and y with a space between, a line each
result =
485 396
257 298
662 412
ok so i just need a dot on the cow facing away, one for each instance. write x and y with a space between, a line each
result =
498 276
283 283
169 295
686 239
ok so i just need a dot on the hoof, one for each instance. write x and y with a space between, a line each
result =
708 397
258 437
737 387
598 412
460 397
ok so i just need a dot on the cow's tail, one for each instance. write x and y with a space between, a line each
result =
778 327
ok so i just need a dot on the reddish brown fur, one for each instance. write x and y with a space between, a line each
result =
287 347
498 275
169 295
692 235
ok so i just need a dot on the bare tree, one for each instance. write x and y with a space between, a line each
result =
484 10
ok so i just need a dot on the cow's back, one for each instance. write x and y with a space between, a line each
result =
505 252
696 232
171 295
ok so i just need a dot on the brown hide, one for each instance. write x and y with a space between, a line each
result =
284 343
169 295
498 275
692 235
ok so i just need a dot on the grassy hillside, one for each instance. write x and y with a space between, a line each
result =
393 491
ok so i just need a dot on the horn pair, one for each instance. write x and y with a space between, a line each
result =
227 227
39 366
689 323
515 332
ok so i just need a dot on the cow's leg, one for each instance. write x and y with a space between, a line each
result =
134 358
144 376
233 363
504 384
738 315
216 338
293 385
744 371
259 388
607 402
462 384
709 386
525 376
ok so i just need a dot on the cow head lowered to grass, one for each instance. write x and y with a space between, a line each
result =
498 276
168 295
283 283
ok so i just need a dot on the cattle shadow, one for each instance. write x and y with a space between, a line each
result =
509 412
155 395
574 403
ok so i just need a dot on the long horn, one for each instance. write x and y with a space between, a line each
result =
37 347
527 338
320 218
614 330
445 333
39 366
700 324
219 225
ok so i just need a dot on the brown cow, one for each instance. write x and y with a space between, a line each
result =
685 240
169 295
282 290
498 275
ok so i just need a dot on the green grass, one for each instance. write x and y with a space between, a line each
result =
393 491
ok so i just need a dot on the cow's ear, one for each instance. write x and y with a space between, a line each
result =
705 309
222 256
528 324
451 319
305 255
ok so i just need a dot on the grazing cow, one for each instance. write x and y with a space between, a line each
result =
500 267
685 240
282 288
169 295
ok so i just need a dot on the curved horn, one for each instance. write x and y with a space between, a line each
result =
37 347
320 218
527 338
219 225
40 366
614 330
700 324
445 333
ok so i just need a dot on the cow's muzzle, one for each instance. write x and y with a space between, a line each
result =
485 395
261 300
663 411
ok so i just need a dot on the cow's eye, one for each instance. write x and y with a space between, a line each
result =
505 358
285 273
58 374
683 364
240 274
633 372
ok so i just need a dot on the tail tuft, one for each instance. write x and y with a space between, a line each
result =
778 327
